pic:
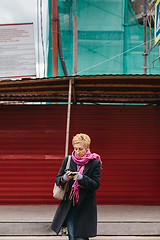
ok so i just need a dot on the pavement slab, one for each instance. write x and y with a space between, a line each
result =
23 221
66 238
106 213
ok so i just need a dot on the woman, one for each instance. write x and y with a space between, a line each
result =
79 209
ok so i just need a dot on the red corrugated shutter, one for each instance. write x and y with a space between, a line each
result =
32 140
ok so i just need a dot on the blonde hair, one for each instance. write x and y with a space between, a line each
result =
82 138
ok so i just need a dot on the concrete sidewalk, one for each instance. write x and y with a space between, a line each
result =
66 238
115 220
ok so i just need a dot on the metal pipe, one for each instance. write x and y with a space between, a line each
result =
38 58
68 117
75 19
145 35
54 38
159 57
70 82
61 50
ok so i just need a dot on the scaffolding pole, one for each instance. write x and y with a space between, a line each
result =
71 81
145 36
159 57
54 38
68 117
75 19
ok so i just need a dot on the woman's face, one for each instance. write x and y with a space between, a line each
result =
79 149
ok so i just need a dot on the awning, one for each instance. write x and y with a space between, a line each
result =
85 89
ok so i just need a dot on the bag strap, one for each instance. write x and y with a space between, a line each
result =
68 162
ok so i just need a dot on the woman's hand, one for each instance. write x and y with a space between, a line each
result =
72 175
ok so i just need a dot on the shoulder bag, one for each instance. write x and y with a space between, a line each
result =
59 191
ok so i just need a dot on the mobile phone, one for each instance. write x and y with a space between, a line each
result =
72 174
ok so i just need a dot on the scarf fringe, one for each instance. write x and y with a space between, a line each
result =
74 194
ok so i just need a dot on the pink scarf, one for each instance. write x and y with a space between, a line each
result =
81 162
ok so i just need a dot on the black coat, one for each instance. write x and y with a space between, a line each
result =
85 224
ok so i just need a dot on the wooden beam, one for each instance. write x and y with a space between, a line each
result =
36 98
31 81
121 92
120 77
34 93
20 88
107 85
78 86
118 99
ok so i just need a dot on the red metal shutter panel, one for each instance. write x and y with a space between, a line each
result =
32 140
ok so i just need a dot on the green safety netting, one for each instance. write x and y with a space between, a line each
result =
110 38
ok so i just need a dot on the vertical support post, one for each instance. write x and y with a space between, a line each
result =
145 35
68 117
70 82
125 39
159 57
38 59
75 21
54 38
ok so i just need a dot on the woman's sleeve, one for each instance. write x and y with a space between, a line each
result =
61 172
92 182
